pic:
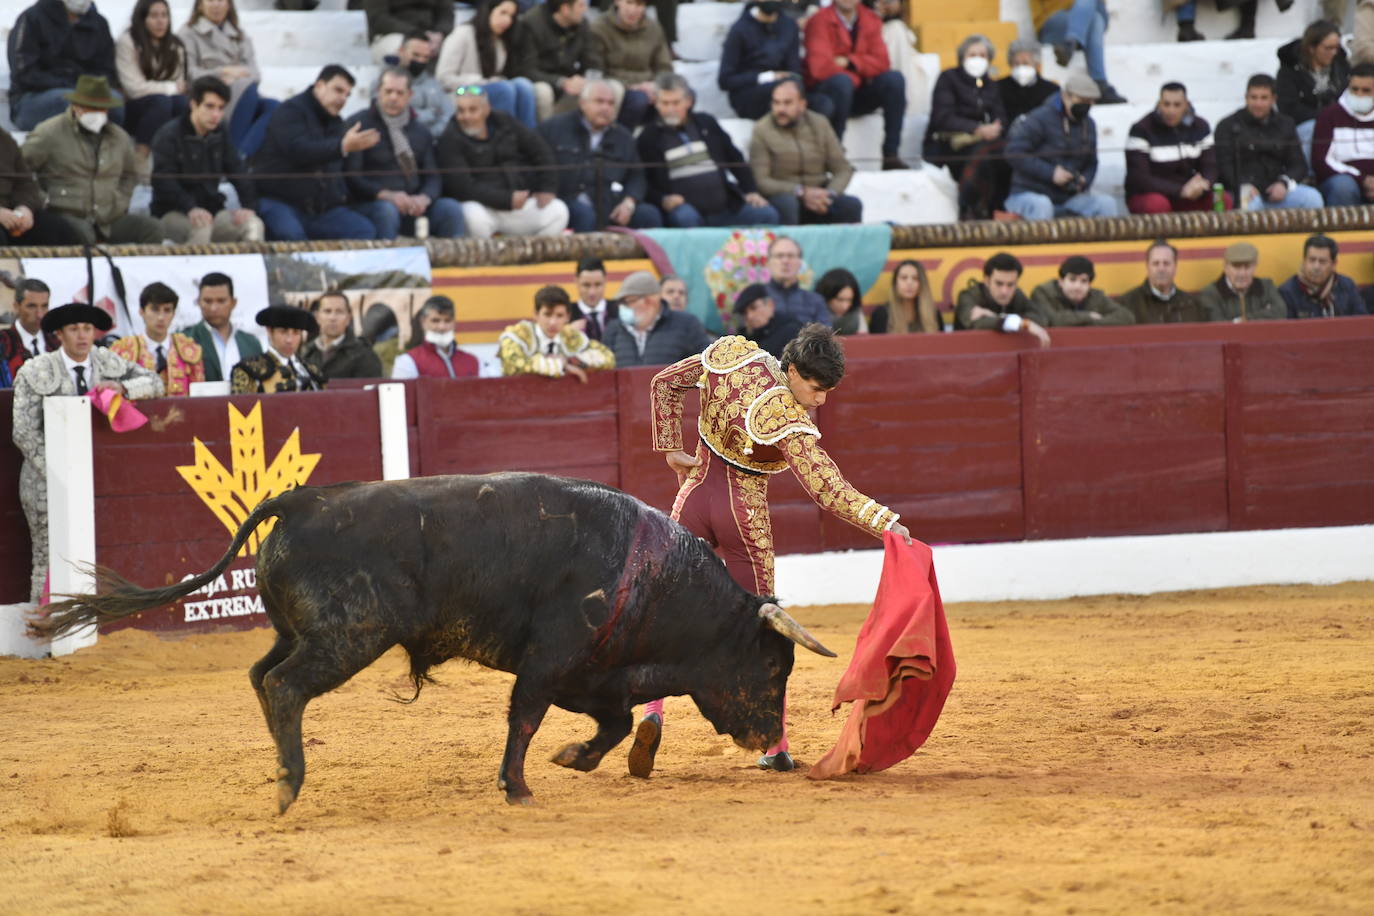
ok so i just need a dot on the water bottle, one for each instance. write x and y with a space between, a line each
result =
422 227
1218 197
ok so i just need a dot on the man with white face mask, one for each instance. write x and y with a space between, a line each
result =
86 164
52 43
1343 143
1024 89
437 356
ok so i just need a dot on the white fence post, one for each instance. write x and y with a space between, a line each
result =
71 506
391 412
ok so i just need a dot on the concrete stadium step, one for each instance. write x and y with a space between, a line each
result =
1210 69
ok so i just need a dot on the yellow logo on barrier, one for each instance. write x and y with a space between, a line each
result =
233 496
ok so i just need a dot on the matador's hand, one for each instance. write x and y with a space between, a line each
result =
680 462
900 530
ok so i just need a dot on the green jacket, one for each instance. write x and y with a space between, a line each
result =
977 294
200 332
1262 301
87 176
808 154
1061 313
629 55
1150 309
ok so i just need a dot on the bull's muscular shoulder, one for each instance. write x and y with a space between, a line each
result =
775 415
730 353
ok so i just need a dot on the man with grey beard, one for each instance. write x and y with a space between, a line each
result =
500 170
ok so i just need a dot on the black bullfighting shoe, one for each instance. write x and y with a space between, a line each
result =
782 762
647 738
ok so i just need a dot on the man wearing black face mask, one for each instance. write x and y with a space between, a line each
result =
431 104
1053 154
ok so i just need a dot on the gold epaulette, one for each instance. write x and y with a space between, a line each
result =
188 348
775 415
729 353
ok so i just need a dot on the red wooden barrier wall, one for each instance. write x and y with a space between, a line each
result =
972 437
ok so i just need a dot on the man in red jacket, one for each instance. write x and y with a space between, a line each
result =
846 61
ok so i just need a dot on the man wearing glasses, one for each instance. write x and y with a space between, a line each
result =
784 267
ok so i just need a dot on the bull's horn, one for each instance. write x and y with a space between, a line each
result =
781 621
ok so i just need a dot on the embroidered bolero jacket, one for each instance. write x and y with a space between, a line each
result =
750 420
519 350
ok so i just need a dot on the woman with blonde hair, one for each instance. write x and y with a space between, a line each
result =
216 46
911 306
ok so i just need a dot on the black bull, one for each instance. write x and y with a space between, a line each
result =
593 600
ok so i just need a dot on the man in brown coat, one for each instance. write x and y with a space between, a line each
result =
799 164
1159 300
24 218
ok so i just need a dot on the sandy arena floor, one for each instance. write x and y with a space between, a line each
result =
1198 752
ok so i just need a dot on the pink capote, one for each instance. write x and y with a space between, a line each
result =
901 672
122 415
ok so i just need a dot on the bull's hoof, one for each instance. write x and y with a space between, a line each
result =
513 799
286 793
642 752
576 756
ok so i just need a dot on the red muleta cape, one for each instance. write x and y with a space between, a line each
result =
902 669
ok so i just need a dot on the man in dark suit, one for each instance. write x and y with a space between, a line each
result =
27 338
222 346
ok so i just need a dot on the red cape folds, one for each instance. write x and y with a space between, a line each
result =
901 672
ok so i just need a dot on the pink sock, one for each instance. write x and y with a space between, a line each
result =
654 706
781 745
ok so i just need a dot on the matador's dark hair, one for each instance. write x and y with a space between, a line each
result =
817 354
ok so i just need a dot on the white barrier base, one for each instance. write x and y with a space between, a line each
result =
13 638
1047 570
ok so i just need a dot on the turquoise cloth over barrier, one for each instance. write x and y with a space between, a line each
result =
862 250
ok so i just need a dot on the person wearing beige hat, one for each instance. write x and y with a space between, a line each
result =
1238 295
1053 156
87 166
648 333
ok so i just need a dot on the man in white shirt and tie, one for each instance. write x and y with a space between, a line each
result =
26 339
590 312
77 367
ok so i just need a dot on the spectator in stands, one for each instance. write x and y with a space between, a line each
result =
222 347
396 181
77 368
673 290
846 61
1053 152
760 321
997 303
784 286
191 156
902 54
152 72
304 150
431 103
551 52
707 170
967 128
1313 72
1238 295
1362 47
281 367
481 53
216 46
500 170
51 45
1071 301
762 48
336 349
1317 291
1074 25
627 46
86 164
599 178
548 345
648 333
910 305
1170 161
1259 156
1343 143
26 338
177 359
389 21
1185 11
798 162
438 356
1159 300
666 13
591 313
1024 89
843 297
24 218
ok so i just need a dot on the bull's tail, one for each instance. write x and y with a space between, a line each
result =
116 597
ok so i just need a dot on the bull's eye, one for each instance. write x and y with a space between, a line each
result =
773 665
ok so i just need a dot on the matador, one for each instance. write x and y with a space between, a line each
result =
754 423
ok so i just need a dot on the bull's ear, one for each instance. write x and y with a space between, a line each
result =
775 617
